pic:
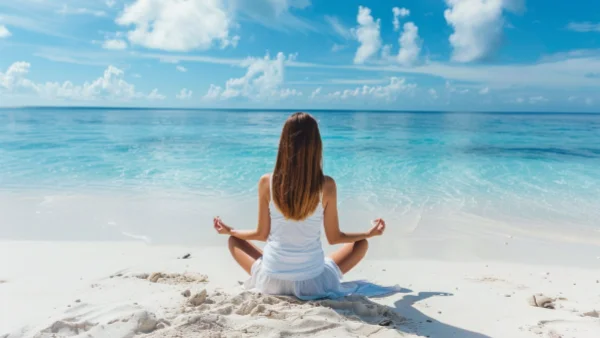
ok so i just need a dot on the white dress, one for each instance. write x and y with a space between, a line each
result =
294 264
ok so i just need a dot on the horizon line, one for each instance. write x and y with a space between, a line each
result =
42 107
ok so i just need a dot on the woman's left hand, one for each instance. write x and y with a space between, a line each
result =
221 227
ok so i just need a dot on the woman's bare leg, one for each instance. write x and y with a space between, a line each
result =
244 252
350 254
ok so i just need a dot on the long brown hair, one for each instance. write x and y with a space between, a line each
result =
298 175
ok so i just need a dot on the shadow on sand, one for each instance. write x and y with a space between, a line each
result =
404 317
421 324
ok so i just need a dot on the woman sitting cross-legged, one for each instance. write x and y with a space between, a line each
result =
295 202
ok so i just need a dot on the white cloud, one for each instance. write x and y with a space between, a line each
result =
433 93
452 89
389 92
338 27
484 91
577 99
399 13
137 76
336 47
520 100
478 26
66 10
114 44
315 93
4 32
368 35
184 94
233 42
14 78
178 25
537 99
287 92
410 45
214 92
584 27
262 81
110 86
181 69
155 95
274 14
110 3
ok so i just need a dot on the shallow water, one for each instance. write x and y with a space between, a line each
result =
525 171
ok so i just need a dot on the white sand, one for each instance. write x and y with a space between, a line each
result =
102 289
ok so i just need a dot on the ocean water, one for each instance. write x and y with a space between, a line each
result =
142 171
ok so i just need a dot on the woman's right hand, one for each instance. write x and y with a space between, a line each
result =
378 227
221 227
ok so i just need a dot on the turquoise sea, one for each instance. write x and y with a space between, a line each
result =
520 169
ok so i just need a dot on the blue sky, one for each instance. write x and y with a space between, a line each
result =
498 55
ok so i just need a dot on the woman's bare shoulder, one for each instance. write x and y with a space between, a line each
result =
264 184
266 178
329 185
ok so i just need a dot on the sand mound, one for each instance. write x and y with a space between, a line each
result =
254 315
171 278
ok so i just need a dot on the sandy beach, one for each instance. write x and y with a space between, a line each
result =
127 289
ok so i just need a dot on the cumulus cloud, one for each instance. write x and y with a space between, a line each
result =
155 95
537 99
433 93
181 69
368 35
410 45
178 25
399 13
478 26
14 77
184 94
389 92
4 32
114 44
110 86
531 100
214 92
262 81
484 91
584 27
452 89
287 92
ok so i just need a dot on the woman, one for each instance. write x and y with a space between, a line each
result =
295 201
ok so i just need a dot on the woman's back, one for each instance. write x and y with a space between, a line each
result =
294 248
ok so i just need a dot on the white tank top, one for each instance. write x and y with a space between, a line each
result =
294 251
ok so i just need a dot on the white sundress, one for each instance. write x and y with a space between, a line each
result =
294 264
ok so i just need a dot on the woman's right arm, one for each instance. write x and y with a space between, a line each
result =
331 221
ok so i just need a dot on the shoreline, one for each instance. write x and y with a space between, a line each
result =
93 288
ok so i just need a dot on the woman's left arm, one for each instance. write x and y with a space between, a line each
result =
261 233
